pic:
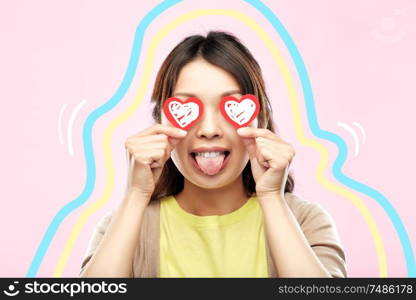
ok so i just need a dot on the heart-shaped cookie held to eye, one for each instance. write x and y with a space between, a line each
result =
183 114
241 112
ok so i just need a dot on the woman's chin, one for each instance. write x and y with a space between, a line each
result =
211 185
206 181
210 179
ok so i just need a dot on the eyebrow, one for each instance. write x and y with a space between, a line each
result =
193 95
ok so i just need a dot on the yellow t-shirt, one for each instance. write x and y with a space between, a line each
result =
230 245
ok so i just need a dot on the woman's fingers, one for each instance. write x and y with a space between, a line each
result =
249 137
148 151
266 146
168 135
256 132
152 152
137 142
165 129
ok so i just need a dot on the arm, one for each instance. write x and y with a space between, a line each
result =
290 250
115 253
308 248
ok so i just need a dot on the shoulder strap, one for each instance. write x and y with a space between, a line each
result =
146 260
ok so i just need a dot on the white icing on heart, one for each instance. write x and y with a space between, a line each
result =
240 112
184 114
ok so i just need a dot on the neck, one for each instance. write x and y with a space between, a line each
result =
207 202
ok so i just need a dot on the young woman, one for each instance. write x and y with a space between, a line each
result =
212 201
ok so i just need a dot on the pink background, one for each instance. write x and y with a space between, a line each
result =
360 59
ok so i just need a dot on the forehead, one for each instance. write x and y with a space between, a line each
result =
201 79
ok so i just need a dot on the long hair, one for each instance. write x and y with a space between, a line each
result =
225 51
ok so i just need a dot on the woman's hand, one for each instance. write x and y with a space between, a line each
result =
150 149
270 159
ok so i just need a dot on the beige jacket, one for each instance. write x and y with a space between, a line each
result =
316 224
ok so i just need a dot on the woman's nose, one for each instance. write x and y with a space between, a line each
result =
209 126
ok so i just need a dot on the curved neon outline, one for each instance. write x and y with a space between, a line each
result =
354 136
362 131
338 141
86 137
71 126
139 97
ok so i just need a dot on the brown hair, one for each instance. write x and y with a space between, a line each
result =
227 52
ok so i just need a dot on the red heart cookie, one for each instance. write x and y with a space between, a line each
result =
183 114
241 112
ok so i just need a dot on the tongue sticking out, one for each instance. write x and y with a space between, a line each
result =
210 165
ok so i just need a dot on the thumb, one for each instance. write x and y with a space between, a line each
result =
250 144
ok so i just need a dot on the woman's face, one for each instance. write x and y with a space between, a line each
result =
212 155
